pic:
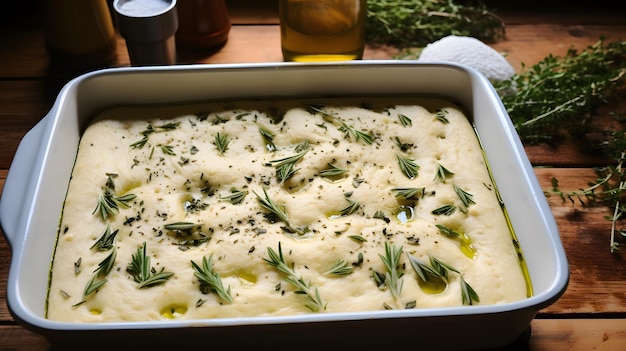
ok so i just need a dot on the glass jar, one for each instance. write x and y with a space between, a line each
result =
202 24
322 30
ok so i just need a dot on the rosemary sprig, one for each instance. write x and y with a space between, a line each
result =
341 267
221 142
149 130
141 271
209 280
442 173
182 226
466 198
235 196
332 171
405 120
314 301
269 205
440 270
268 138
106 240
349 130
350 209
279 212
106 265
468 294
408 166
92 286
408 193
285 167
108 203
391 259
441 116
167 149
445 210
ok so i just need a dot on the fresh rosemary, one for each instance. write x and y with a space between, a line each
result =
141 271
285 167
408 193
182 226
279 212
466 198
106 240
405 120
350 209
268 138
209 280
408 166
440 270
445 210
105 266
235 196
349 130
391 259
442 173
314 301
332 171
221 142
341 267
149 130
108 203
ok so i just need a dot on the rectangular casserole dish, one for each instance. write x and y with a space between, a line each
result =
36 185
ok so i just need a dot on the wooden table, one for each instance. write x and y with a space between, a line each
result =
592 312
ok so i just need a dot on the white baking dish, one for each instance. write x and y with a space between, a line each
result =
37 181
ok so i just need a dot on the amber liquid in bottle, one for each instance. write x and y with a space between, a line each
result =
322 30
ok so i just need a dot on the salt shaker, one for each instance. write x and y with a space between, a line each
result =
149 28
202 24
79 34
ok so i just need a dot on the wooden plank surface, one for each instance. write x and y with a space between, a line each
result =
592 312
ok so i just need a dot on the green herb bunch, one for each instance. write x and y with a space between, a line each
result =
557 98
410 23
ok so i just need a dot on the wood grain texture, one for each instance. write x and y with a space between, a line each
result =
591 314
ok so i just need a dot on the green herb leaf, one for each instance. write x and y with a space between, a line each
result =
332 171
268 138
236 196
405 120
445 210
340 267
408 193
313 298
357 134
408 166
391 259
442 172
466 198
141 271
221 142
468 295
211 280
441 116
285 167
106 240
182 226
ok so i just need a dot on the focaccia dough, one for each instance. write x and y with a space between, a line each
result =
167 157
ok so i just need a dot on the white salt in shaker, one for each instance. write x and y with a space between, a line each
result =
149 27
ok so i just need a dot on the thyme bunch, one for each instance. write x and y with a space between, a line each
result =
415 23
558 97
